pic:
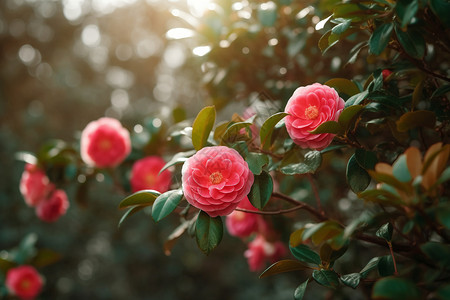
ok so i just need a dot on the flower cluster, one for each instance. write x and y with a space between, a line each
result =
309 107
24 282
216 179
50 203
260 250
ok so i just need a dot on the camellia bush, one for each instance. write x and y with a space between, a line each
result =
343 180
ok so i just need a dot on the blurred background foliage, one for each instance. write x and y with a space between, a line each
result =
153 64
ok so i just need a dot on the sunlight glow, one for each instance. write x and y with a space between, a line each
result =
198 7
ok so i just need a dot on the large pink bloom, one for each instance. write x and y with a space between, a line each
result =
216 179
49 210
309 107
260 251
242 224
24 282
105 143
145 175
34 185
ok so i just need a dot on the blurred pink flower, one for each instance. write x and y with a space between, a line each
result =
50 209
145 175
105 143
309 107
260 251
242 224
386 73
24 282
216 179
34 185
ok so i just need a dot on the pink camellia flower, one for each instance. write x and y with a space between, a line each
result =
105 143
216 179
145 175
50 209
34 185
260 251
309 107
24 282
242 224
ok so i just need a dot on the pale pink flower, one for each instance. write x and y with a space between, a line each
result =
243 224
145 175
260 251
50 209
216 179
309 107
24 282
34 185
105 143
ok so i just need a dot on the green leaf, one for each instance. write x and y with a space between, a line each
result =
443 214
202 126
326 278
385 232
400 169
371 265
357 178
395 288
443 293
26 249
340 28
412 42
45 257
366 159
328 127
144 197
305 254
310 164
406 10
283 266
178 158
352 280
208 232
165 204
439 253
356 99
129 213
414 119
441 8
323 41
300 290
441 90
261 190
267 128
256 161
234 129
343 85
380 38
386 266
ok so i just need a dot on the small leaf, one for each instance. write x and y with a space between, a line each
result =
343 85
261 190
441 90
443 293
340 28
234 130
295 238
394 288
356 99
441 9
406 10
327 278
385 232
414 119
178 158
412 42
348 114
366 159
386 266
283 266
400 169
439 253
352 280
357 178
328 127
144 197
323 41
300 290
208 232
371 265
380 38
202 126
165 204
443 213
129 213
267 128
310 164
256 161
305 254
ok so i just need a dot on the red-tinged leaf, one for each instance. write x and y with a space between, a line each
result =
343 85
283 266
414 119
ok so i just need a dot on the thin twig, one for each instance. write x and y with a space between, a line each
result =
273 212
307 207
393 257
